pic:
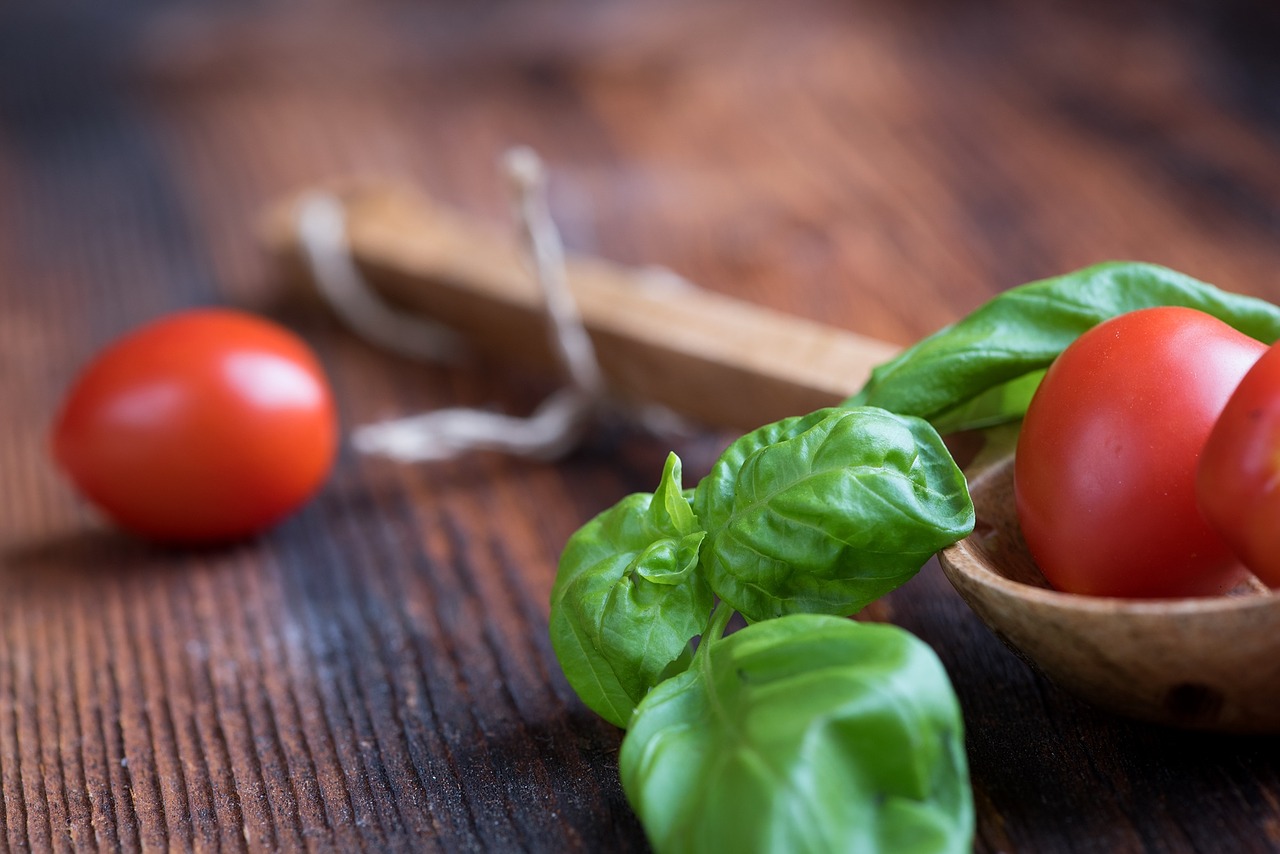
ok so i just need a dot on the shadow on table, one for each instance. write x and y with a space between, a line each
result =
89 553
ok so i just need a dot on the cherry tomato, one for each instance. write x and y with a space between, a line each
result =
1238 480
1104 476
204 426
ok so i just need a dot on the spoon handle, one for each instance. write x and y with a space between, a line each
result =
717 360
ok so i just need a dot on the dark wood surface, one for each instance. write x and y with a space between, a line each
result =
375 673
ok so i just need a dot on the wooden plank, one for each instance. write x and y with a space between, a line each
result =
375 673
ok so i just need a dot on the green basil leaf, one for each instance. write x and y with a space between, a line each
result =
990 408
628 598
1024 329
807 733
826 512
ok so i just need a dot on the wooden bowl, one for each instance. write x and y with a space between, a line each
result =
1204 663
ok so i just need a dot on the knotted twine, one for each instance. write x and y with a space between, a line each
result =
558 423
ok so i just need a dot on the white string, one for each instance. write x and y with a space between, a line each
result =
322 234
529 192
556 425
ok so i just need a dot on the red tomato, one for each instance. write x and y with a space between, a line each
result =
1104 476
1238 481
204 426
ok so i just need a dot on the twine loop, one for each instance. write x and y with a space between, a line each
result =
555 427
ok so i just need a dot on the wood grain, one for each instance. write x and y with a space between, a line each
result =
375 674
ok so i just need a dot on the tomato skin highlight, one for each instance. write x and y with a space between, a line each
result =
1238 479
204 426
1104 475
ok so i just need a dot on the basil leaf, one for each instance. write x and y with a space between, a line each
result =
990 408
826 512
628 598
807 733
1024 329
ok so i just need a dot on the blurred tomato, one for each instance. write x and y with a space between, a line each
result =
1238 481
207 425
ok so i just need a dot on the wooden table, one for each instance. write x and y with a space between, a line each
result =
375 673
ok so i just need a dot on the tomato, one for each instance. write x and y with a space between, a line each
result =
1104 476
204 426
1238 480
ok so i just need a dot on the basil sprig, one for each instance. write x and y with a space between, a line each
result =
815 514
984 369
804 732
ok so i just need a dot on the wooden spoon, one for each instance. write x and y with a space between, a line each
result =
720 361
1205 663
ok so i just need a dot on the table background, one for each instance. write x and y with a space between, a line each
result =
375 673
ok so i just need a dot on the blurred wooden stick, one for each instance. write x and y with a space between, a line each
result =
714 359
